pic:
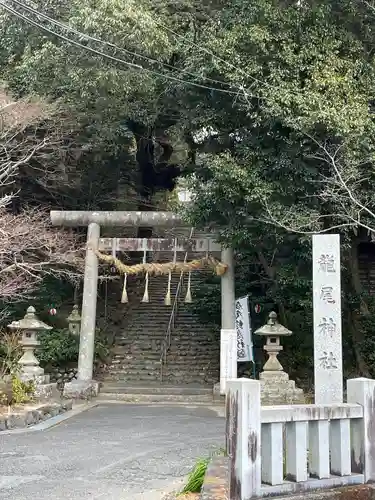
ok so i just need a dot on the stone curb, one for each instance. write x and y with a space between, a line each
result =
52 421
216 481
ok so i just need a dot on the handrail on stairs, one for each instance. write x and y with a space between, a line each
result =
167 339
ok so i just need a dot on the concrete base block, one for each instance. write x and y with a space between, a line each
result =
37 379
277 389
217 397
81 389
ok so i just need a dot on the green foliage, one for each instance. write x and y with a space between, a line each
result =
60 347
196 477
302 74
22 391
14 391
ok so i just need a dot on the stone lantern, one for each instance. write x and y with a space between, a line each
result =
74 321
29 326
276 388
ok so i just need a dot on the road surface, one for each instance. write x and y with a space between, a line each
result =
110 452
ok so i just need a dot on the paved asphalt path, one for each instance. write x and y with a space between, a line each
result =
111 452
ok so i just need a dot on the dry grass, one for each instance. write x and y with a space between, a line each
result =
185 496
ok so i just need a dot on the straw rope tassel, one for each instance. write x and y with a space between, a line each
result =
167 300
124 296
145 295
188 298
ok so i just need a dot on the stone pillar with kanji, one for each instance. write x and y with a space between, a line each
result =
328 362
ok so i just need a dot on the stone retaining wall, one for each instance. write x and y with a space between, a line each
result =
21 417
62 375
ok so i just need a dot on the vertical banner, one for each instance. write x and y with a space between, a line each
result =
327 319
243 327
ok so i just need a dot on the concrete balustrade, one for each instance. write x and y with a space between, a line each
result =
276 450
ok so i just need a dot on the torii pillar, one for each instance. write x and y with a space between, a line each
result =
228 333
94 221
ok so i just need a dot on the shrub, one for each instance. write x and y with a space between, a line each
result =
15 391
6 391
60 347
22 391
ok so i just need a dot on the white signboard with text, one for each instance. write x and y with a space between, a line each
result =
327 319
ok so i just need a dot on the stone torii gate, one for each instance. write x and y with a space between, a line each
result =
94 221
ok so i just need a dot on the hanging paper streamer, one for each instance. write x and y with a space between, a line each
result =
145 295
124 296
114 245
167 300
188 298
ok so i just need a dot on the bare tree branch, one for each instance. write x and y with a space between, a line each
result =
19 140
31 249
342 186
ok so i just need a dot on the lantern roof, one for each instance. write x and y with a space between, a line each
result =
29 322
273 327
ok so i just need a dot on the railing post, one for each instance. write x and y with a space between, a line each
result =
243 434
362 391
296 451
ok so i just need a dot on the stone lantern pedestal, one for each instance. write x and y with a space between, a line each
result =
276 388
30 369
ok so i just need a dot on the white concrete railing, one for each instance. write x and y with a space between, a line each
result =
286 449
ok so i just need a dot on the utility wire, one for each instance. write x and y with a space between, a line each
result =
109 57
215 56
67 27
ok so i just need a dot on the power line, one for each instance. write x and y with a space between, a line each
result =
109 57
109 44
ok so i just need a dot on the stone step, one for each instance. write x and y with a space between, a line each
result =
139 345
137 364
149 379
134 371
133 354
133 378
168 389
136 367
141 355
158 398
143 337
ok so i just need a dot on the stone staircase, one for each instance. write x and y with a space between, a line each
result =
192 362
